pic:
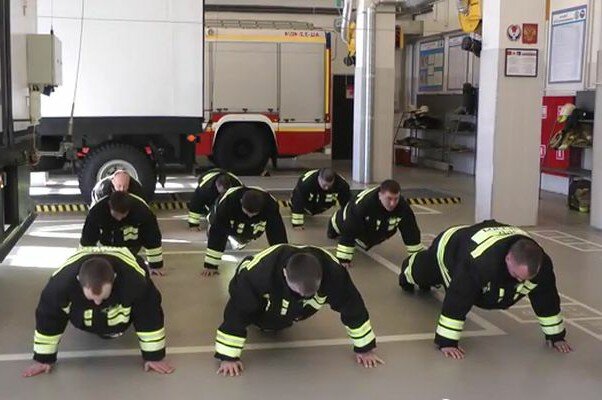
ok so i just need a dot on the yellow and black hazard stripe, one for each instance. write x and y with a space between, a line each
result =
61 208
169 205
182 205
423 201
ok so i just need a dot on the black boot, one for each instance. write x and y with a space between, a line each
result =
403 281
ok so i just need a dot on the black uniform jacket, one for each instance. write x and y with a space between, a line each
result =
258 292
134 299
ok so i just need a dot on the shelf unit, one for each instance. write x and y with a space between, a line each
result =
444 143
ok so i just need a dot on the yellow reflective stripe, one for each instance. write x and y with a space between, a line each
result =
308 174
451 323
229 192
152 335
230 340
549 321
359 331
284 308
553 330
194 218
155 251
448 333
152 341
361 336
118 309
88 317
415 248
345 252
226 350
552 325
316 302
363 194
487 237
123 253
207 177
362 342
501 294
259 256
118 319
441 253
297 219
408 271
46 339
152 346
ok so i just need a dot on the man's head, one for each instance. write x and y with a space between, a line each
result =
524 259
326 178
121 181
96 276
120 204
303 274
223 183
389 193
252 202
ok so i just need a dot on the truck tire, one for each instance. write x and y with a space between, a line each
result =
105 159
243 148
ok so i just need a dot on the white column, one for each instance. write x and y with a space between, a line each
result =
507 170
596 199
384 96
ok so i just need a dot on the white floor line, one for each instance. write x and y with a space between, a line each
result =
411 337
555 236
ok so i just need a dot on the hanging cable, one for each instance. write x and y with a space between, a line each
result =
79 55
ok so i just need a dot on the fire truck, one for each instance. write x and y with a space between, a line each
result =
142 90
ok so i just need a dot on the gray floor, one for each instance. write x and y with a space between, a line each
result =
506 355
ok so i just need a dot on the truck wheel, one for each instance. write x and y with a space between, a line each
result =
242 148
106 159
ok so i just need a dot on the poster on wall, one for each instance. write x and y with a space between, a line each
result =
567 45
431 63
521 63
457 66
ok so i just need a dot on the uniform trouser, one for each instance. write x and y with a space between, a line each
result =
271 322
422 269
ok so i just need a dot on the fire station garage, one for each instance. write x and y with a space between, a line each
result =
262 199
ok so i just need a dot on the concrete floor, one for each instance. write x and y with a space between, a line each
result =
506 356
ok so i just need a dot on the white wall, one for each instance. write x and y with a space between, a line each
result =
443 18
23 21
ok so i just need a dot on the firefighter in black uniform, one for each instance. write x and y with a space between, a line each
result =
371 218
125 220
284 284
317 191
242 214
490 265
101 290
120 181
212 184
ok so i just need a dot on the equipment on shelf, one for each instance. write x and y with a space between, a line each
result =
579 195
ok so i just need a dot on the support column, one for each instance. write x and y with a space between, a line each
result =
507 170
384 96
596 195
381 134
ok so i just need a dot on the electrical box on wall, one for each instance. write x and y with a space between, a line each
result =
44 60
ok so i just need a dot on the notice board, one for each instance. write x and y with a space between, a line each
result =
431 66
567 44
